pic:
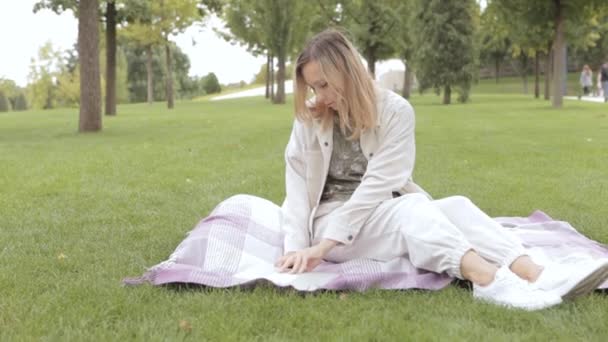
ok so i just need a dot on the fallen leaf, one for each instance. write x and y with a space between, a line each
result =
185 325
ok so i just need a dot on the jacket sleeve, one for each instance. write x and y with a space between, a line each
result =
296 208
388 170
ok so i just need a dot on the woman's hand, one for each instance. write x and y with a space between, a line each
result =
305 260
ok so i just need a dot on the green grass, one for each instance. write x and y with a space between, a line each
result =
515 85
78 212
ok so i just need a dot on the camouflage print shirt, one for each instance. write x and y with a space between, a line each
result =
346 168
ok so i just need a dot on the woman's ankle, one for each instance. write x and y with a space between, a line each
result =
476 269
526 269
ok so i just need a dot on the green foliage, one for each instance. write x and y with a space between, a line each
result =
494 36
4 103
20 102
373 25
274 27
10 89
154 21
42 87
68 88
137 77
261 76
268 26
122 86
57 6
210 84
446 55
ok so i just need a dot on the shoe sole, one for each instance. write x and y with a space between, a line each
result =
588 284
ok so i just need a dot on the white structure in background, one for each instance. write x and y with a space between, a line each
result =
390 75
393 80
260 91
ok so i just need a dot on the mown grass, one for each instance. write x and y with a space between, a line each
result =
78 212
515 85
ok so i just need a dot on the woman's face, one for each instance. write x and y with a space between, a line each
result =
315 80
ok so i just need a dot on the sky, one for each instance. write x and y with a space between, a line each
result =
24 32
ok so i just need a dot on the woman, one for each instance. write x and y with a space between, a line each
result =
586 79
350 194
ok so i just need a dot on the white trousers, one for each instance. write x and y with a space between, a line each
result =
433 234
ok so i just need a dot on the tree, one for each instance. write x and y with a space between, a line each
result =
88 54
211 84
137 74
112 17
41 87
157 21
248 32
20 103
141 31
4 105
446 56
10 90
495 43
404 44
372 25
278 27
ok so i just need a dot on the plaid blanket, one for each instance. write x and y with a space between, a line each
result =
238 243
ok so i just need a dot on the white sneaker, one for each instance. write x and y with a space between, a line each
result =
574 279
509 290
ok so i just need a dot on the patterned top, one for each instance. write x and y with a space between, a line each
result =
346 167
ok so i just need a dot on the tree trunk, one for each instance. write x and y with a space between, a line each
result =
559 57
88 54
271 78
110 58
447 95
267 95
537 74
280 96
548 67
150 74
370 57
497 68
524 71
169 88
407 81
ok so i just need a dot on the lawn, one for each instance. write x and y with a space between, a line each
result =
78 212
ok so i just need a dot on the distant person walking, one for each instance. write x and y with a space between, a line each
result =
586 80
604 80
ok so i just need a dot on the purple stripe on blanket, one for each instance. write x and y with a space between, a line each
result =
239 241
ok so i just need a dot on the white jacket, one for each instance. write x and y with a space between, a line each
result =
390 150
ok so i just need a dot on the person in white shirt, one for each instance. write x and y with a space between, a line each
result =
350 193
586 80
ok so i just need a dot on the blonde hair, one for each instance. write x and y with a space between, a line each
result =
344 73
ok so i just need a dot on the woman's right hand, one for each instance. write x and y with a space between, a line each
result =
305 260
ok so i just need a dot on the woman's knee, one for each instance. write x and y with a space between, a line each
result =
456 202
414 198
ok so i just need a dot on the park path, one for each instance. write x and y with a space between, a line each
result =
586 98
259 91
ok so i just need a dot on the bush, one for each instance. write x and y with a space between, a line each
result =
4 105
20 102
